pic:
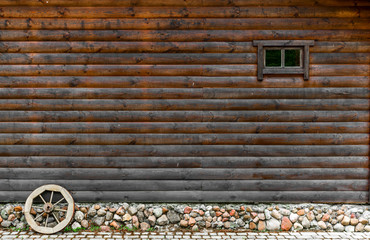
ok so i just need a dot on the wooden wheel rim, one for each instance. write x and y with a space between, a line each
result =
62 224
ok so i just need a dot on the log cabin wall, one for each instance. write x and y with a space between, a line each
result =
154 100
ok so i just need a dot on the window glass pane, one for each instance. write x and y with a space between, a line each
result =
292 57
273 58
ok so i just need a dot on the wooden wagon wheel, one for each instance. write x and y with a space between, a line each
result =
51 210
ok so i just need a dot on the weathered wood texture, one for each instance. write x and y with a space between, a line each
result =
148 100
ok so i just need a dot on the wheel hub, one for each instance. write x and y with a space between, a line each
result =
48 207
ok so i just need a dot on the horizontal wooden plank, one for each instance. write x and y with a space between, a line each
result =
184 93
181 82
189 185
340 58
171 23
182 12
182 104
175 3
185 173
183 35
132 58
184 127
340 47
139 70
340 70
182 116
163 47
183 162
202 196
183 150
169 70
126 47
183 139
167 58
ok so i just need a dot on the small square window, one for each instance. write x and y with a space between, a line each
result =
273 58
292 58
283 57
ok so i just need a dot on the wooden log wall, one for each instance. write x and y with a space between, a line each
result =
142 100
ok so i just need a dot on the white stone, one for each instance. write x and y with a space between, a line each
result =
101 212
157 212
338 227
79 216
298 227
366 215
322 225
76 225
349 228
267 214
272 224
306 223
293 217
132 210
314 224
285 212
367 228
162 220
276 214
117 217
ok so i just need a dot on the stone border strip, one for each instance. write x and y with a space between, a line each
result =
174 217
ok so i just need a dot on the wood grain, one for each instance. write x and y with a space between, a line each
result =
183 12
184 116
183 150
185 127
234 82
183 162
210 196
184 139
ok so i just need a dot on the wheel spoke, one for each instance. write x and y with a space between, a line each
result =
51 197
47 218
38 216
56 218
42 199
58 202
59 210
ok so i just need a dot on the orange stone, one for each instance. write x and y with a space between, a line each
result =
326 217
191 221
286 224
1 219
232 212
18 209
225 219
300 212
187 210
201 213
242 208
252 225
32 211
261 225
218 214
164 210
114 224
